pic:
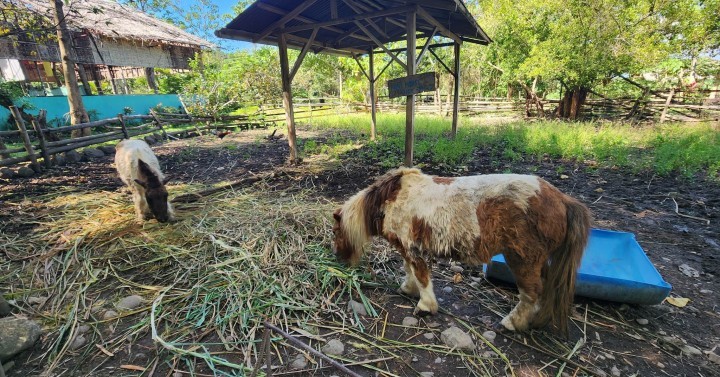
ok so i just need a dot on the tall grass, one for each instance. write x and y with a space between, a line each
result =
663 149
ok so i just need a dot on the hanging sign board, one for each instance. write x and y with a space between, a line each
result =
407 86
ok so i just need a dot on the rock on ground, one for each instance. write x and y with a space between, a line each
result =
107 149
150 140
427 374
642 321
409 321
110 314
17 335
300 362
25 172
130 302
78 342
456 338
93 153
357 307
72 157
489 335
58 160
4 307
334 347
615 371
7 173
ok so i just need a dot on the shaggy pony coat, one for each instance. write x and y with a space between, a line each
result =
541 232
140 170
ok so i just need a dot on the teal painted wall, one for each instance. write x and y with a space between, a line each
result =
105 106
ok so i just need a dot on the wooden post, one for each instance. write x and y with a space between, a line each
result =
96 78
84 79
23 132
43 146
373 106
3 154
410 100
667 104
287 98
113 84
123 126
456 91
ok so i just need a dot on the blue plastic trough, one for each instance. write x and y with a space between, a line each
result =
614 268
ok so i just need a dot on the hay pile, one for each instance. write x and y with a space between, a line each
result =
208 282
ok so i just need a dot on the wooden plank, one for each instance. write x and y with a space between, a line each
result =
304 51
43 146
284 19
81 139
85 143
425 48
410 85
432 21
381 45
23 132
96 123
345 20
410 21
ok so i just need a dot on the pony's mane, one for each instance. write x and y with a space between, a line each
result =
363 214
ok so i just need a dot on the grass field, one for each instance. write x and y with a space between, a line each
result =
665 149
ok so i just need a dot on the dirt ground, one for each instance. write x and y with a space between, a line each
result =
615 342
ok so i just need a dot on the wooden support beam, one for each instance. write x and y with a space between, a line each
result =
410 100
346 20
304 51
425 48
284 19
362 69
381 45
287 98
276 10
384 68
436 45
443 30
450 71
456 91
359 9
333 9
373 104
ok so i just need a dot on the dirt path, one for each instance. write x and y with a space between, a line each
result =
614 339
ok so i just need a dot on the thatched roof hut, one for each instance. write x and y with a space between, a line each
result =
105 33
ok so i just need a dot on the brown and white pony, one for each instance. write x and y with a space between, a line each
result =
541 232
140 170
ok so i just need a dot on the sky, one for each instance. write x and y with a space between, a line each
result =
224 6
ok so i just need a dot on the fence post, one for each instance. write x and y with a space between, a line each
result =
43 146
23 132
159 123
122 125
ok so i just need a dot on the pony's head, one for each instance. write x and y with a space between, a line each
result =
363 215
156 194
349 231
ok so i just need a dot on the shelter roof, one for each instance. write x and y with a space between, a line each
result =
109 19
342 24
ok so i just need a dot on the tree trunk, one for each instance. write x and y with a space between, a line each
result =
571 103
150 76
77 109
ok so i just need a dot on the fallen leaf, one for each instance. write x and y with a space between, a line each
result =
132 367
678 301
599 189
104 350
457 278
563 176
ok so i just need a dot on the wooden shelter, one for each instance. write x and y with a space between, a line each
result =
355 28
109 40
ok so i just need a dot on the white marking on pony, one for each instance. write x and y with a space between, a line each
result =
128 153
410 284
449 209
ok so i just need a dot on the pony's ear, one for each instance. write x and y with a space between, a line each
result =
337 215
141 183
145 168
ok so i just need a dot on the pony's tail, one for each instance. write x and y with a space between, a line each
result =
559 275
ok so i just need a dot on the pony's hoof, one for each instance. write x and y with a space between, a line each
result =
403 290
422 313
499 328
507 324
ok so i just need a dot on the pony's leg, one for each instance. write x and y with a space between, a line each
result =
529 282
409 286
141 208
428 302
